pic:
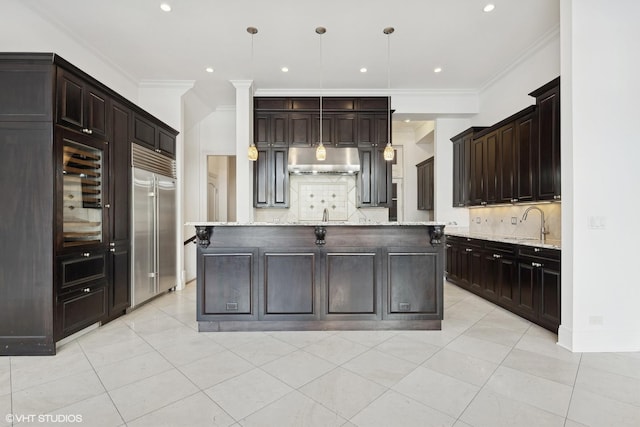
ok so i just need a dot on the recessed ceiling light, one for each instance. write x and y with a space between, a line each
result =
437 69
284 69
363 70
209 69
489 7
166 7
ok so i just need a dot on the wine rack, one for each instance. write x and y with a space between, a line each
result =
82 194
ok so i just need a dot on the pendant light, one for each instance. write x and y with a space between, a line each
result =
321 152
388 152
252 153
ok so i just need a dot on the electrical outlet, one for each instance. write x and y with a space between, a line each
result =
514 220
477 220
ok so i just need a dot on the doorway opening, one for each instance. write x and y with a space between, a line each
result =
221 188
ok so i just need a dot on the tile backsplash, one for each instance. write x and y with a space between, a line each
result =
506 221
310 194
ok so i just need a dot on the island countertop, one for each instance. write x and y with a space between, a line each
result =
315 223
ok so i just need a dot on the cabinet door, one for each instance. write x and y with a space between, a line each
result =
119 281
458 177
328 126
550 297
70 100
352 282
80 309
366 178
411 282
167 143
507 283
261 179
425 185
262 130
383 179
366 130
490 276
279 174
549 145
227 281
478 165
422 181
288 284
80 105
491 167
476 260
346 130
525 157
279 129
120 180
300 130
527 289
144 132
506 165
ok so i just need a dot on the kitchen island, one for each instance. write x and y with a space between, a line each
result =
340 276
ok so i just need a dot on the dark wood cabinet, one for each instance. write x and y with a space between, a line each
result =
375 187
80 106
279 278
548 139
462 145
271 178
154 136
523 279
515 160
65 142
120 209
425 185
300 130
346 122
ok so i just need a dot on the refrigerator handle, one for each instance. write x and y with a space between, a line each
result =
155 233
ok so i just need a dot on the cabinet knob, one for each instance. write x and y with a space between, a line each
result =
107 205
469 250
86 254
536 249
112 244
112 249
514 200
86 290
483 203
556 197
448 245
158 150
87 131
536 264
497 256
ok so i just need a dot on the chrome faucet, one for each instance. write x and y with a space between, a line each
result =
325 215
543 230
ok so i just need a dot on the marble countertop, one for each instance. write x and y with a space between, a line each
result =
315 223
516 240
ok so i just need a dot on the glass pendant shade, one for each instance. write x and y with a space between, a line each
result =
388 152
321 152
252 153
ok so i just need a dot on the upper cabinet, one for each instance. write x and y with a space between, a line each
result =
515 160
425 185
548 150
80 106
149 133
284 122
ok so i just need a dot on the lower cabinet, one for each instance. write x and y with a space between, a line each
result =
80 308
523 279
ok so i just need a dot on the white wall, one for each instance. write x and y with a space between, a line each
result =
412 154
443 172
600 90
508 94
23 30
214 135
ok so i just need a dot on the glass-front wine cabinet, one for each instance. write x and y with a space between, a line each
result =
83 192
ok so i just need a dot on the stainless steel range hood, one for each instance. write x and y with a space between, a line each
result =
302 160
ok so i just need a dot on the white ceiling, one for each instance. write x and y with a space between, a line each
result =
471 46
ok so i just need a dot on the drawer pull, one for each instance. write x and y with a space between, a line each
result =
448 245
87 131
497 256
536 264
112 250
536 249
86 290
469 250
86 254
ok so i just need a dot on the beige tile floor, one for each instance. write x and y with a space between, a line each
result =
486 367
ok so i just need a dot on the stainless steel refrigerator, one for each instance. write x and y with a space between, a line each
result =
153 225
